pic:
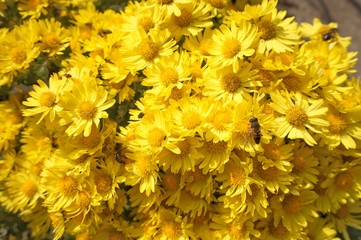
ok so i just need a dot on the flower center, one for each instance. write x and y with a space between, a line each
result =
292 83
231 82
146 23
118 85
197 175
29 188
91 141
169 76
216 3
47 99
184 147
296 116
237 177
103 182
344 180
343 212
218 147
171 181
267 30
220 120
18 55
265 77
236 231
286 58
148 50
272 151
292 204
231 47
337 123
185 19
176 93
191 120
37 168
269 174
51 41
87 110
299 163
171 229
165 1
279 232
156 137
143 167
84 200
68 186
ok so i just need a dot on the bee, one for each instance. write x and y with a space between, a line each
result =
118 155
255 130
330 34
104 32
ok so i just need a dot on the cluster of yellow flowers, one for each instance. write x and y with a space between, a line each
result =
243 124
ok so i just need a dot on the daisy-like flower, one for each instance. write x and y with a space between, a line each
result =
232 44
34 9
143 49
53 37
84 106
44 99
226 85
343 128
298 115
198 184
295 210
192 19
271 231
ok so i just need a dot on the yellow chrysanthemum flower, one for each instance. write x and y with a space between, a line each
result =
84 106
44 99
34 9
297 114
232 44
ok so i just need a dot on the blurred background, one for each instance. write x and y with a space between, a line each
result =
346 13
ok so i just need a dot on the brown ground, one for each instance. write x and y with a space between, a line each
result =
347 13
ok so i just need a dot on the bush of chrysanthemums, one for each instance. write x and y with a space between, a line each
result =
180 119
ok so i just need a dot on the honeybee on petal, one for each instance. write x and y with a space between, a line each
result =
330 34
255 130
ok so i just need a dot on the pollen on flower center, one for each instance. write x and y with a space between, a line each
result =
156 137
296 116
87 110
235 231
299 163
84 200
191 120
292 204
267 30
198 175
18 54
168 76
231 82
230 47
185 19
279 232
171 181
272 151
103 182
51 41
237 177
216 3
68 186
148 50
29 188
269 174
143 167
176 93
286 58
47 99
165 1
90 141
146 23
343 212
337 123
171 229
184 148
218 147
344 180
292 83
220 120
265 77
115 235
